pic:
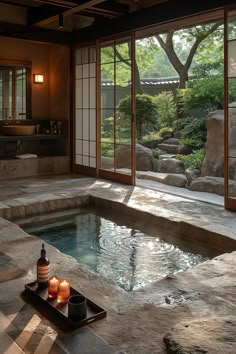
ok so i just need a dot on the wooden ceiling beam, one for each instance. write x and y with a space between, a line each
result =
34 33
37 17
162 13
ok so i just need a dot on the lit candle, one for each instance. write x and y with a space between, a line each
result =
63 293
53 286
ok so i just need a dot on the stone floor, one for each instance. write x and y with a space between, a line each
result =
193 311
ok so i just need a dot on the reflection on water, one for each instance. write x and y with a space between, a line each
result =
129 257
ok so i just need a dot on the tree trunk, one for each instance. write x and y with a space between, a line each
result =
138 86
139 131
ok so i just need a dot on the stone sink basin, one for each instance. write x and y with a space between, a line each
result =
17 129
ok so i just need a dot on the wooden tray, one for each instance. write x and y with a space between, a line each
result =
94 312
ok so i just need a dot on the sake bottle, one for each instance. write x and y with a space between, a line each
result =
43 270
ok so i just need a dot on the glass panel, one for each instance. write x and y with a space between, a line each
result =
85 148
232 26
122 51
79 147
232 133
86 124
107 126
232 177
107 53
107 156
232 59
123 159
92 125
78 93
78 71
107 86
79 124
232 92
92 90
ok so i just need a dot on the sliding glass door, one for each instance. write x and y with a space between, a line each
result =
230 109
116 110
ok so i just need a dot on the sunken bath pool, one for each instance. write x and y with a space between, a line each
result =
133 259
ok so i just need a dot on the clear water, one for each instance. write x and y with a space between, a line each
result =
129 257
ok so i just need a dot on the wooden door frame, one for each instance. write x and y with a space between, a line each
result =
106 174
229 202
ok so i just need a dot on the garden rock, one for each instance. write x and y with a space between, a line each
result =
172 141
169 148
191 175
176 180
209 184
144 157
184 150
170 166
213 162
203 335
152 144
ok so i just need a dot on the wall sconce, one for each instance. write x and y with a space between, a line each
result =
38 78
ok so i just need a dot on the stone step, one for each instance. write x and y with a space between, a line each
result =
152 176
169 148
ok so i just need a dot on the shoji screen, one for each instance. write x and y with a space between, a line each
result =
85 105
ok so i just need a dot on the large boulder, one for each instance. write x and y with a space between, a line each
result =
213 162
209 335
212 185
170 166
144 157
152 144
176 180
169 148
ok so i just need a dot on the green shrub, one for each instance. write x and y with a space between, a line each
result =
194 133
202 93
151 136
192 143
166 108
156 153
165 131
193 160
146 111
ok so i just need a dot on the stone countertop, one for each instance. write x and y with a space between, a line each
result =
31 137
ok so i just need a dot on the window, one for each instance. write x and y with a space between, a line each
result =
15 92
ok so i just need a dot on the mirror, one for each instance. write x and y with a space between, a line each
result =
15 87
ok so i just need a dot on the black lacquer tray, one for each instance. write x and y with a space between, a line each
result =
94 312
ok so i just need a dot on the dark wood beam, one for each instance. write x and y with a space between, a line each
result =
34 33
164 12
50 15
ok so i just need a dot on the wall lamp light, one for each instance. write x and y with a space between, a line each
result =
38 78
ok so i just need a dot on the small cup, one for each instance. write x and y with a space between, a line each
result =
77 307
